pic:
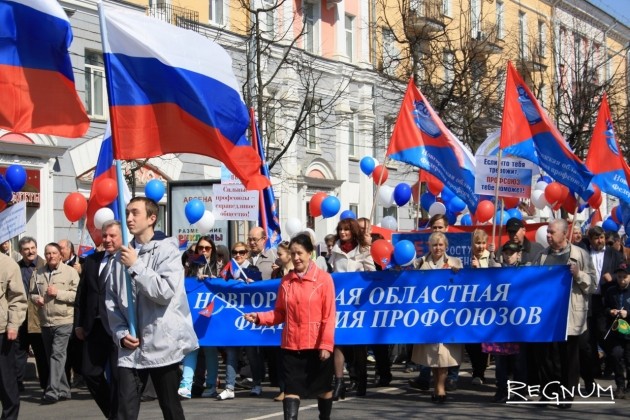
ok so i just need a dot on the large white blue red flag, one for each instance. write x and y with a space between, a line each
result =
528 132
421 139
172 90
37 92
605 160
267 214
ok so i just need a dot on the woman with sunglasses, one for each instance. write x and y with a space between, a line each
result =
306 293
350 253
203 265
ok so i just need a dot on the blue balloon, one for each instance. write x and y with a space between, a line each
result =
456 205
367 165
16 177
330 206
404 252
515 213
466 220
447 194
610 225
402 194
347 214
545 178
194 210
618 213
451 217
501 219
6 194
426 200
154 190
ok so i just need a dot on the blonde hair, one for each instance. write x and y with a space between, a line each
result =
437 236
479 234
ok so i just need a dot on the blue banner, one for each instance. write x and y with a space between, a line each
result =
524 304
459 244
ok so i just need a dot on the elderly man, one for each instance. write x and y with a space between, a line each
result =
559 363
13 313
516 233
53 290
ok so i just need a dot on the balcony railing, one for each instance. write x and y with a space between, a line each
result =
175 15
427 16
487 41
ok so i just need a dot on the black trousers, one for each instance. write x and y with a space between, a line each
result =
478 360
560 362
165 379
100 356
34 340
9 394
382 355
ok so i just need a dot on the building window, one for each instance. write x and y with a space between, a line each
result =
216 11
350 37
578 51
311 34
475 18
95 92
609 64
449 63
391 211
542 39
352 135
270 126
269 17
446 7
522 34
311 133
500 20
389 52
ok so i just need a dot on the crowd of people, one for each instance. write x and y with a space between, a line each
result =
119 319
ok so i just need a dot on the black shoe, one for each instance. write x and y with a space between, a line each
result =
440 399
451 385
620 394
384 380
147 398
339 389
419 384
291 407
361 390
48 400
564 406
500 397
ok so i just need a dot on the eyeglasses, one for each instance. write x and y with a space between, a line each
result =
240 252
204 248
254 239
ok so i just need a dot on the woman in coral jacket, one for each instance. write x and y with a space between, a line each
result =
306 305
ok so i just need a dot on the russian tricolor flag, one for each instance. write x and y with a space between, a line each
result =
527 132
172 90
605 160
420 138
37 92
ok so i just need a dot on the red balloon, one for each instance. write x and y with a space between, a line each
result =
377 177
570 204
3 205
595 200
381 251
315 205
613 214
434 185
74 206
105 191
510 202
553 193
485 211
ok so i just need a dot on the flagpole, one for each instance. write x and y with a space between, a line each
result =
82 235
378 187
496 197
577 205
122 211
418 203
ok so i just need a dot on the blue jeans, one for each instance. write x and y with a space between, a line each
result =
190 363
231 366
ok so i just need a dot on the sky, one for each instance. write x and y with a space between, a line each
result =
620 9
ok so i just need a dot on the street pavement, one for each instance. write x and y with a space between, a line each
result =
396 401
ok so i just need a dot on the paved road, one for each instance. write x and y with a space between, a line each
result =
396 401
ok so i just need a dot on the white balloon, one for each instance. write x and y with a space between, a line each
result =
386 195
437 208
389 222
539 200
293 226
206 222
311 234
541 236
540 186
375 161
103 215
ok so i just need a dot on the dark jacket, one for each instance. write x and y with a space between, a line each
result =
90 302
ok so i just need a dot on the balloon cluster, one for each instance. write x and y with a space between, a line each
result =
324 205
13 180
387 195
385 254
197 215
613 222
557 196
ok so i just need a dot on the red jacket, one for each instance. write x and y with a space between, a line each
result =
307 308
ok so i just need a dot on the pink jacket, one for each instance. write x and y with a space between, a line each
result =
307 308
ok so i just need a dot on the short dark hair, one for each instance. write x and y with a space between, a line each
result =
304 241
595 232
437 217
26 240
150 206
54 245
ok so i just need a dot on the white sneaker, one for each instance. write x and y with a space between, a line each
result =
477 381
184 392
209 393
255 391
227 394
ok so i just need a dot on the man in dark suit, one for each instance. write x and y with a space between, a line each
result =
99 350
